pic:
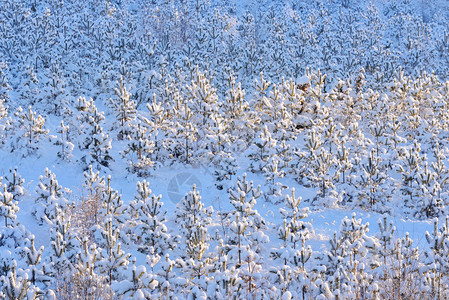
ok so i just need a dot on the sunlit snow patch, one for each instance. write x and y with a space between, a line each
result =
181 184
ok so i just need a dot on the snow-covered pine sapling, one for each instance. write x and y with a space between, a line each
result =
92 138
93 182
333 258
224 277
37 271
358 244
343 159
217 139
204 99
90 205
312 144
63 226
282 272
439 168
378 131
58 259
410 161
53 93
64 247
137 283
124 109
436 260
12 240
261 150
5 122
196 247
51 199
193 219
274 112
298 230
8 207
251 282
237 242
272 174
166 277
185 132
372 179
402 276
83 281
63 141
245 222
191 213
345 258
113 259
292 275
235 108
196 263
14 183
148 227
4 85
30 88
386 239
261 88
156 125
393 132
323 171
243 196
30 129
111 204
285 154
87 283
147 79
225 166
332 134
139 150
428 204
16 286
294 95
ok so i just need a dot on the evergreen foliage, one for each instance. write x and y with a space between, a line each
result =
343 101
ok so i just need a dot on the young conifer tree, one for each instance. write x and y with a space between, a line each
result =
124 108
243 196
16 285
30 130
245 239
38 271
157 124
93 139
14 184
138 284
139 150
111 205
5 122
63 141
113 259
194 220
51 199
436 260
84 281
166 277
291 274
8 208
148 228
